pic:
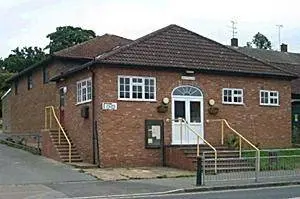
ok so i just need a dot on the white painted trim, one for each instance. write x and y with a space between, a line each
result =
233 95
87 100
84 102
131 84
269 104
187 99
184 95
6 93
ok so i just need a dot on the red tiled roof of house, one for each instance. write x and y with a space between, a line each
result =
177 47
286 61
87 50
93 47
174 46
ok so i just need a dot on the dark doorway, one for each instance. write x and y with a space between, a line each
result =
62 98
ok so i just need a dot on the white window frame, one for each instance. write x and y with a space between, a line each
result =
269 97
233 96
131 84
79 93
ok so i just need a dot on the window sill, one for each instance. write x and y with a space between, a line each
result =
228 103
270 105
137 100
85 102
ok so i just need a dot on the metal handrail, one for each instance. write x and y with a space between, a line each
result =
240 138
60 128
182 120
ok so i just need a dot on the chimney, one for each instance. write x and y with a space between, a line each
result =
283 47
234 42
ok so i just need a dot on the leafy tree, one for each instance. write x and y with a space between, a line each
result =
4 86
68 36
261 41
249 44
21 59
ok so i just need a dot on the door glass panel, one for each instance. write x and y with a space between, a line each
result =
179 109
62 97
195 112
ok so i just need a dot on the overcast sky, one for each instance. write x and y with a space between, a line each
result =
27 22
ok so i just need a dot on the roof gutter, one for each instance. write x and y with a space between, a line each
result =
91 63
6 93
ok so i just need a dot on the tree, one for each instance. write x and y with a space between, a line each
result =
68 36
4 86
261 41
21 59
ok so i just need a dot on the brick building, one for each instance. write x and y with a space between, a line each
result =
133 91
286 61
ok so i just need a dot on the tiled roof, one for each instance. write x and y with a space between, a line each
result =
270 55
87 50
93 47
284 60
174 46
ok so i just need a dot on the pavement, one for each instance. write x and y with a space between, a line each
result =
24 175
115 174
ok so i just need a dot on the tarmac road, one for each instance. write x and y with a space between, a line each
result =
284 192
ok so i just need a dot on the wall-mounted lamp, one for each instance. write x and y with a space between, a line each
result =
211 102
65 89
163 107
165 100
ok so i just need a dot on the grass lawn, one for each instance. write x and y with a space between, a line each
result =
276 159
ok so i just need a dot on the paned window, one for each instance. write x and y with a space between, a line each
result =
45 75
232 96
29 82
137 88
84 90
269 98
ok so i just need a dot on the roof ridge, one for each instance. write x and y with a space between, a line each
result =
262 61
253 58
79 44
135 42
87 41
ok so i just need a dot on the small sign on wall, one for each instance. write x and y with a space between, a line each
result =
109 106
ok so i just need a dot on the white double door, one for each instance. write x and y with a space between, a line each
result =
191 110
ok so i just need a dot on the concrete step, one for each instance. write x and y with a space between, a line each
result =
72 160
66 153
211 156
230 169
62 142
66 156
63 147
66 149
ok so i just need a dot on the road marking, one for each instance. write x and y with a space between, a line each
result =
149 194
175 193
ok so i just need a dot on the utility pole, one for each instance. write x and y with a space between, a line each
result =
233 27
279 29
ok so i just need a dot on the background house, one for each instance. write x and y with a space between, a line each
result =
286 61
32 90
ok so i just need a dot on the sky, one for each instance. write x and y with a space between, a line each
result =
27 22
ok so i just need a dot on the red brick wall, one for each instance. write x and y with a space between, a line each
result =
27 107
78 128
176 158
122 131
48 148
